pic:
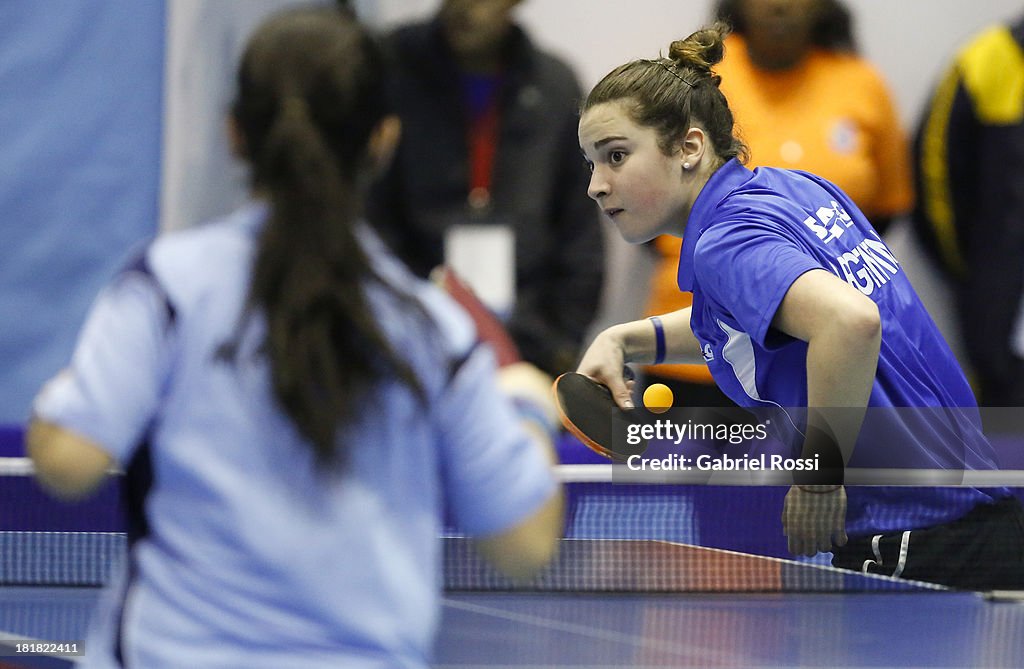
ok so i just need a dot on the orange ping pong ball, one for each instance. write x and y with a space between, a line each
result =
658 398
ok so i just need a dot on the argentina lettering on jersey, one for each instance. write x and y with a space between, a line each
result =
750 235
869 264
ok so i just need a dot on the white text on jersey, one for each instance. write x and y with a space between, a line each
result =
867 265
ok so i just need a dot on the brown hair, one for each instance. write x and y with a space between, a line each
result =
671 94
310 93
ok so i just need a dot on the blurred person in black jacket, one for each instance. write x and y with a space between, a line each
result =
490 140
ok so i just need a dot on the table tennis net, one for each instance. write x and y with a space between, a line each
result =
619 537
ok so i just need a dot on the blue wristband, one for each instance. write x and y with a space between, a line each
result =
530 410
659 340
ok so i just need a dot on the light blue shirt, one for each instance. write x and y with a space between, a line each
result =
249 556
750 235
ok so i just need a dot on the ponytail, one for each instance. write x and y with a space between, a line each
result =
310 95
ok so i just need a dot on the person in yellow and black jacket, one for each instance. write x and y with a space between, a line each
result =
969 154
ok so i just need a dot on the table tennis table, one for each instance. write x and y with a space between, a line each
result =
730 630
648 576
612 613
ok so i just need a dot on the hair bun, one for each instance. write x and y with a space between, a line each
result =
701 50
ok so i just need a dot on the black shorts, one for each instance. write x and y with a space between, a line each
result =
984 550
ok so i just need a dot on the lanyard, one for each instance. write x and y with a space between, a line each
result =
482 139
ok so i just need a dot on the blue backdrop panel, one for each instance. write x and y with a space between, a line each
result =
80 126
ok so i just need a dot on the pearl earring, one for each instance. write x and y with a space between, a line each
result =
686 166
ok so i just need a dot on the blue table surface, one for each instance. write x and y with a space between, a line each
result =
483 629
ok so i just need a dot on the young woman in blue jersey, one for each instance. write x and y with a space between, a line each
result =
293 410
797 304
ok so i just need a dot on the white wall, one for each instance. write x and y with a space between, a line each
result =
910 41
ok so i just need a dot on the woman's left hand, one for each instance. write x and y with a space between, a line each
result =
813 521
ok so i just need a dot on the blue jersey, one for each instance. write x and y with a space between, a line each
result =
750 235
245 553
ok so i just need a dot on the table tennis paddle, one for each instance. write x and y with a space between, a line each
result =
589 413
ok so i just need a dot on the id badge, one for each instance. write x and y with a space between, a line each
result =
484 257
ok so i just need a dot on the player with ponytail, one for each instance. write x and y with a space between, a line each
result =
295 413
